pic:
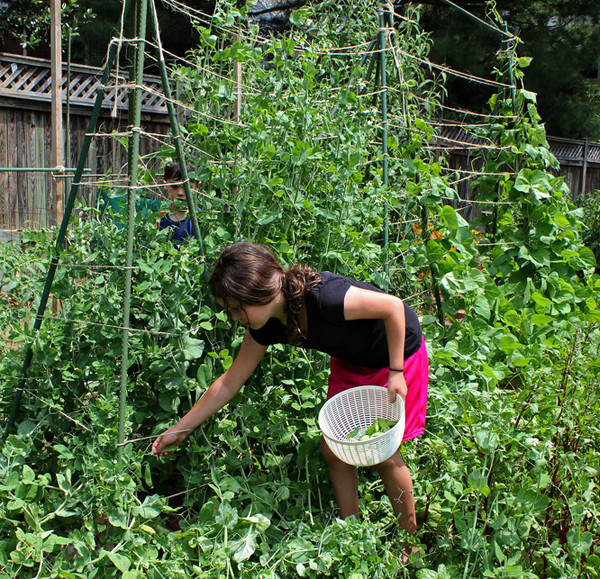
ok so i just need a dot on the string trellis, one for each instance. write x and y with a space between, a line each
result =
201 91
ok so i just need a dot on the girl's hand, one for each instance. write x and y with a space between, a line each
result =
171 437
397 386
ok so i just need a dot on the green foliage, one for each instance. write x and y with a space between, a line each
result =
505 476
560 37
29 20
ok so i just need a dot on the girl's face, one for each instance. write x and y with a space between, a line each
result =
253 317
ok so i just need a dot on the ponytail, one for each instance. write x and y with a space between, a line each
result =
297 282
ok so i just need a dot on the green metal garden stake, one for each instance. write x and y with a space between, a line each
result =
135 111
384 137
511 75
175 130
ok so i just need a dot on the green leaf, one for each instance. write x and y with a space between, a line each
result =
12 482
203 376
27 427
482 307
498 372
260 521
478 481
580 541
524 62
299 17
150 508
121 562
541 300
450 217
508 344
145 267
118 519
28 475
532 501
498 552
520 361
168 401
586 255
512 318
535 183
207 512
541 319
426 574
15 505
64 451
486 439
227 516
245 547
192 348
561 220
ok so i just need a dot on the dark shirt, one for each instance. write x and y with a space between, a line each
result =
180 229
357 342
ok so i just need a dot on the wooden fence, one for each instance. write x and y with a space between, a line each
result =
25 134
26 183
579 164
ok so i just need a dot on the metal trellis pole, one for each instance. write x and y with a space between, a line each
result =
383 7
135 109
175 129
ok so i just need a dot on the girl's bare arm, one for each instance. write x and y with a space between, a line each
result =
220 392
362 303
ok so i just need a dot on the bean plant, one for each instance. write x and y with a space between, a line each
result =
506 472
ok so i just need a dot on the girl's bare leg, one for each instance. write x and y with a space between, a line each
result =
344 478
398 486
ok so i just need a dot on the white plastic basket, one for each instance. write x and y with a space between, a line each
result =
358 408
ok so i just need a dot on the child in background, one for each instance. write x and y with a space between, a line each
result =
372 338
176 217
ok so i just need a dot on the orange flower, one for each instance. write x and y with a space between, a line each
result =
417 229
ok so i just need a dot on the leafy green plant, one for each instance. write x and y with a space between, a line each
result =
505 475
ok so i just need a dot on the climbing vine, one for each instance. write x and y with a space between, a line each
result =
505 476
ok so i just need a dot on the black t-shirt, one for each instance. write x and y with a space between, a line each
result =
357 342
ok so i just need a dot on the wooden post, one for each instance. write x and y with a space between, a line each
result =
584 169
56 114
237 80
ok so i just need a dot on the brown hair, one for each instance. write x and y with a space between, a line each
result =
172 171
251 274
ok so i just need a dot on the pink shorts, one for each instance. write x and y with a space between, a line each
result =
416 374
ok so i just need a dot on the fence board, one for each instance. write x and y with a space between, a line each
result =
37 146
4 177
